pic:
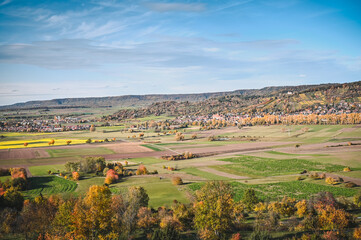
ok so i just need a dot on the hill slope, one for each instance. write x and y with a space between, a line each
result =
130 101
330 98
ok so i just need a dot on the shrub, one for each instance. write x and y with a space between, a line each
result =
75 176
68 142
347 169
331 180
19 183
26 144
357 200
194 136
211 138
297 145
126 163
315 176
89 140
350 185
188 155
109 180
357 233
177 181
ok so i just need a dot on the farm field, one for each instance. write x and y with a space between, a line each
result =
271 162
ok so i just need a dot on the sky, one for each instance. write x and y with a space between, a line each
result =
59 49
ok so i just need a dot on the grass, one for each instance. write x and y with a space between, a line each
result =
203 174
275 191
84 184
4 178
43 169
151 146
161 191
259 166
49 185
147 160
79 151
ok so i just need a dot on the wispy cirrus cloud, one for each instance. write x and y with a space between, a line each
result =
5 2
176 7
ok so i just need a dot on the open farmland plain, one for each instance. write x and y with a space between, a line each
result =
270 161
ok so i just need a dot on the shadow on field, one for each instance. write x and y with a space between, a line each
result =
39 182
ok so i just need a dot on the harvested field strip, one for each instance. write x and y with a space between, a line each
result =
222 174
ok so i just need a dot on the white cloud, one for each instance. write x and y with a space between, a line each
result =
5 2
178 7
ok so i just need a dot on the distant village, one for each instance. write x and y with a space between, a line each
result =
58 124
332 114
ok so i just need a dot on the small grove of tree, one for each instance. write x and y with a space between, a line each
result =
18 173
88 165
179 136
111 176
142 170
214 214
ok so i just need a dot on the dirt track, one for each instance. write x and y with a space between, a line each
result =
222 174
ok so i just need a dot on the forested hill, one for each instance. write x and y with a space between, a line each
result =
331 98
131 101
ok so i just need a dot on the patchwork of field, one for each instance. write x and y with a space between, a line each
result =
272 164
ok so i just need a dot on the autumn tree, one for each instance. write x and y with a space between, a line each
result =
135 198
146 220
184 214
213 210
250 199
92 216
62 223
76 176
92 128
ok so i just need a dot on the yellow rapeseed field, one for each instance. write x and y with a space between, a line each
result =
38 143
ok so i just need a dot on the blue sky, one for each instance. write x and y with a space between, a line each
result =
55 49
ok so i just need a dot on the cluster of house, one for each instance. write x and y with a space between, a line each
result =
39 125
